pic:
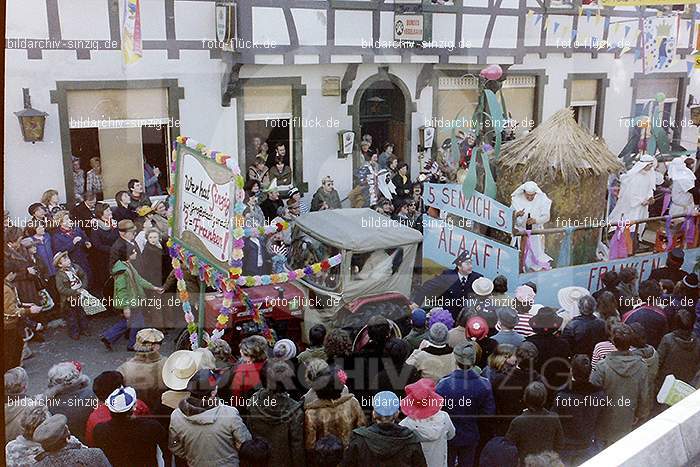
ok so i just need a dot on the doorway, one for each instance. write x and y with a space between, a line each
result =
383 116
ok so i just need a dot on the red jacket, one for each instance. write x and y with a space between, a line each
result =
101 414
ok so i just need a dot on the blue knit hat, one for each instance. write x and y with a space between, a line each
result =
386 403
418 318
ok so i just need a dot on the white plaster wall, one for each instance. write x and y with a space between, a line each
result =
40 164
618 94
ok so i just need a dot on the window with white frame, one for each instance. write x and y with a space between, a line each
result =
584 102
269 123
649 89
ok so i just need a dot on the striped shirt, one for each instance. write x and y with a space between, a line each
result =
523 327
600 350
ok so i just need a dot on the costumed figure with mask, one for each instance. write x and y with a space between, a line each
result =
683 180
531 208
636 194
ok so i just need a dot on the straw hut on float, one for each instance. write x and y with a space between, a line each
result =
571 165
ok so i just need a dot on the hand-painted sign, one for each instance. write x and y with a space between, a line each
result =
589 275
479 207
408 27
442 243
205 207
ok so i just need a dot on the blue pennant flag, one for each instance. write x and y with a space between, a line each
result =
573 35
537 19
689 24
690 67
637 54
556 26
588 15
627 30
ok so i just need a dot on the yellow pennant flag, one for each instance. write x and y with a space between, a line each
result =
546 24
625 49
580 10
529 13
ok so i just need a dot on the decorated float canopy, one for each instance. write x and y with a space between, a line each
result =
208 228
358 230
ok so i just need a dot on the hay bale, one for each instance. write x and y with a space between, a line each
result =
571 166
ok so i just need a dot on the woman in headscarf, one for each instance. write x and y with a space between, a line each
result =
531 208
636 193
682 187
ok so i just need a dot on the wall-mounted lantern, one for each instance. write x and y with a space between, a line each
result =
31 121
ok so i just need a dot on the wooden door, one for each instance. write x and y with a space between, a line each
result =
396 136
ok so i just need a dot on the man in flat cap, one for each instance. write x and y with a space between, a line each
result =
53 435
127 234
143 371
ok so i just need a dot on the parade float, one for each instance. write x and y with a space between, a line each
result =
343 265
573 168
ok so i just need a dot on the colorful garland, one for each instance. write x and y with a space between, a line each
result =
232 284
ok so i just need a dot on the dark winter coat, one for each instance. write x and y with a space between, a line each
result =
535 432
120 213
394 377
62 240
280 420
44 251
27 284
623 377
102 240
463 385
583 333
652 319
579 406
152 264
384 446
552 359
672 273
679 355
269 208
84 217
131 442
508 391
448 287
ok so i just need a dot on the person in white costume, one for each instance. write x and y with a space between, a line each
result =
531 208
636 193
683 180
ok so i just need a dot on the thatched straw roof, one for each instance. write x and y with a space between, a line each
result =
559 147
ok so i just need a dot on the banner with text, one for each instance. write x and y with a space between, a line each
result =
442 243
205 207
479 207
589 275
